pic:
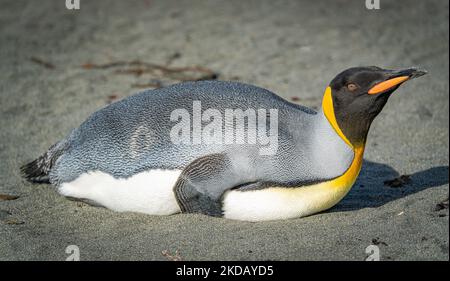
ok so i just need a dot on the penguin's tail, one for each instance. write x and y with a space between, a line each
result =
38 171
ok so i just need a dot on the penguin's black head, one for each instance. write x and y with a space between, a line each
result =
360 93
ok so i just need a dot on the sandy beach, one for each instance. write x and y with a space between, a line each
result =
58 66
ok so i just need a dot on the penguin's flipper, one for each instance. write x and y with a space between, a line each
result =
202 183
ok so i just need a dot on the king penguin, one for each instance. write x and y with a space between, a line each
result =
123 157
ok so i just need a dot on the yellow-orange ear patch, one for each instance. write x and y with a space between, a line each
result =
386 85
328 110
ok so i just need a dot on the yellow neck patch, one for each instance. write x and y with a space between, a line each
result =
328 110
346 180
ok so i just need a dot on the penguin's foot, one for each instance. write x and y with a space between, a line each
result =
85 201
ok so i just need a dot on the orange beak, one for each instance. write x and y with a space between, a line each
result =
388 84
398 77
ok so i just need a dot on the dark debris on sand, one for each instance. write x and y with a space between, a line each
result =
442 206
398 182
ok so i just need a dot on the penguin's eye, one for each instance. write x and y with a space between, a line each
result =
352 87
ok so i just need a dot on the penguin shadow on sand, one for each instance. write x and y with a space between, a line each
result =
379 184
